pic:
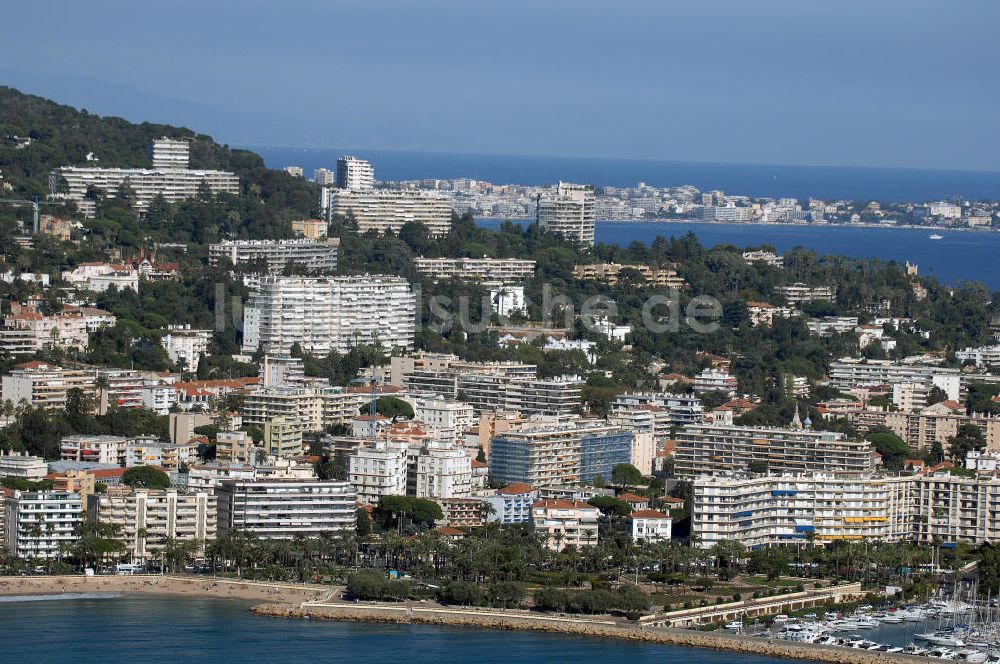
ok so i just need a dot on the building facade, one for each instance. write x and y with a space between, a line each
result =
312 255
707 449
282 509
329 314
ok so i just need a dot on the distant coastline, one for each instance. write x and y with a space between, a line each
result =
767 224
891 185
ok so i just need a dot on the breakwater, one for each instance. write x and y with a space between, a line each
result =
578 626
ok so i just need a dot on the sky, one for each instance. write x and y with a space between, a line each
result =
903 83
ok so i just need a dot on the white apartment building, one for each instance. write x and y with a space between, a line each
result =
565 523
656 412
169 178
848 373
147 518
329 314
23 465
315 407
354 173
649 526
830 325
715 380
443 471
99 277
377 470
40 524
185 345
798 293
984 356
210 476
152 452
708 449
512 504
170 153
769 510
789 509
499 270
313 255
569 211
448 419
388 210
96 449
284 508
282 371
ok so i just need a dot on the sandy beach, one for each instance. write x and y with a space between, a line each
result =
285 593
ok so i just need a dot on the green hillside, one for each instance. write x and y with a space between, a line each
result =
63 136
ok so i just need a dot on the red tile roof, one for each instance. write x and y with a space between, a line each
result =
648 514
557 503
517 488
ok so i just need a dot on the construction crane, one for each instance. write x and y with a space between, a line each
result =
35 207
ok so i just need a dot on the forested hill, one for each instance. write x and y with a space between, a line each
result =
63 136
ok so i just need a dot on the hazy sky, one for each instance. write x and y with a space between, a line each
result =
840 82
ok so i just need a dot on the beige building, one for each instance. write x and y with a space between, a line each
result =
565 523
42 385
310 229
709 449
608 273
388 210
149 517
935 424
283 437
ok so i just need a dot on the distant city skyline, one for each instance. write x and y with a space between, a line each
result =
895 83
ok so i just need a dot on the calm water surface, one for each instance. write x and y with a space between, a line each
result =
155 630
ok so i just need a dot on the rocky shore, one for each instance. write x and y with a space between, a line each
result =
579 627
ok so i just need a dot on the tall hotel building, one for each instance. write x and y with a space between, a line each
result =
569 211
169 177
329 314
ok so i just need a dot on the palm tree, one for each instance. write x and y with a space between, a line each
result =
102 386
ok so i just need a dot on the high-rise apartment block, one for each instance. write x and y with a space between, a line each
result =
569 211
566 453
354 173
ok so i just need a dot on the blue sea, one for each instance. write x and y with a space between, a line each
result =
883 184
154 630
959 256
